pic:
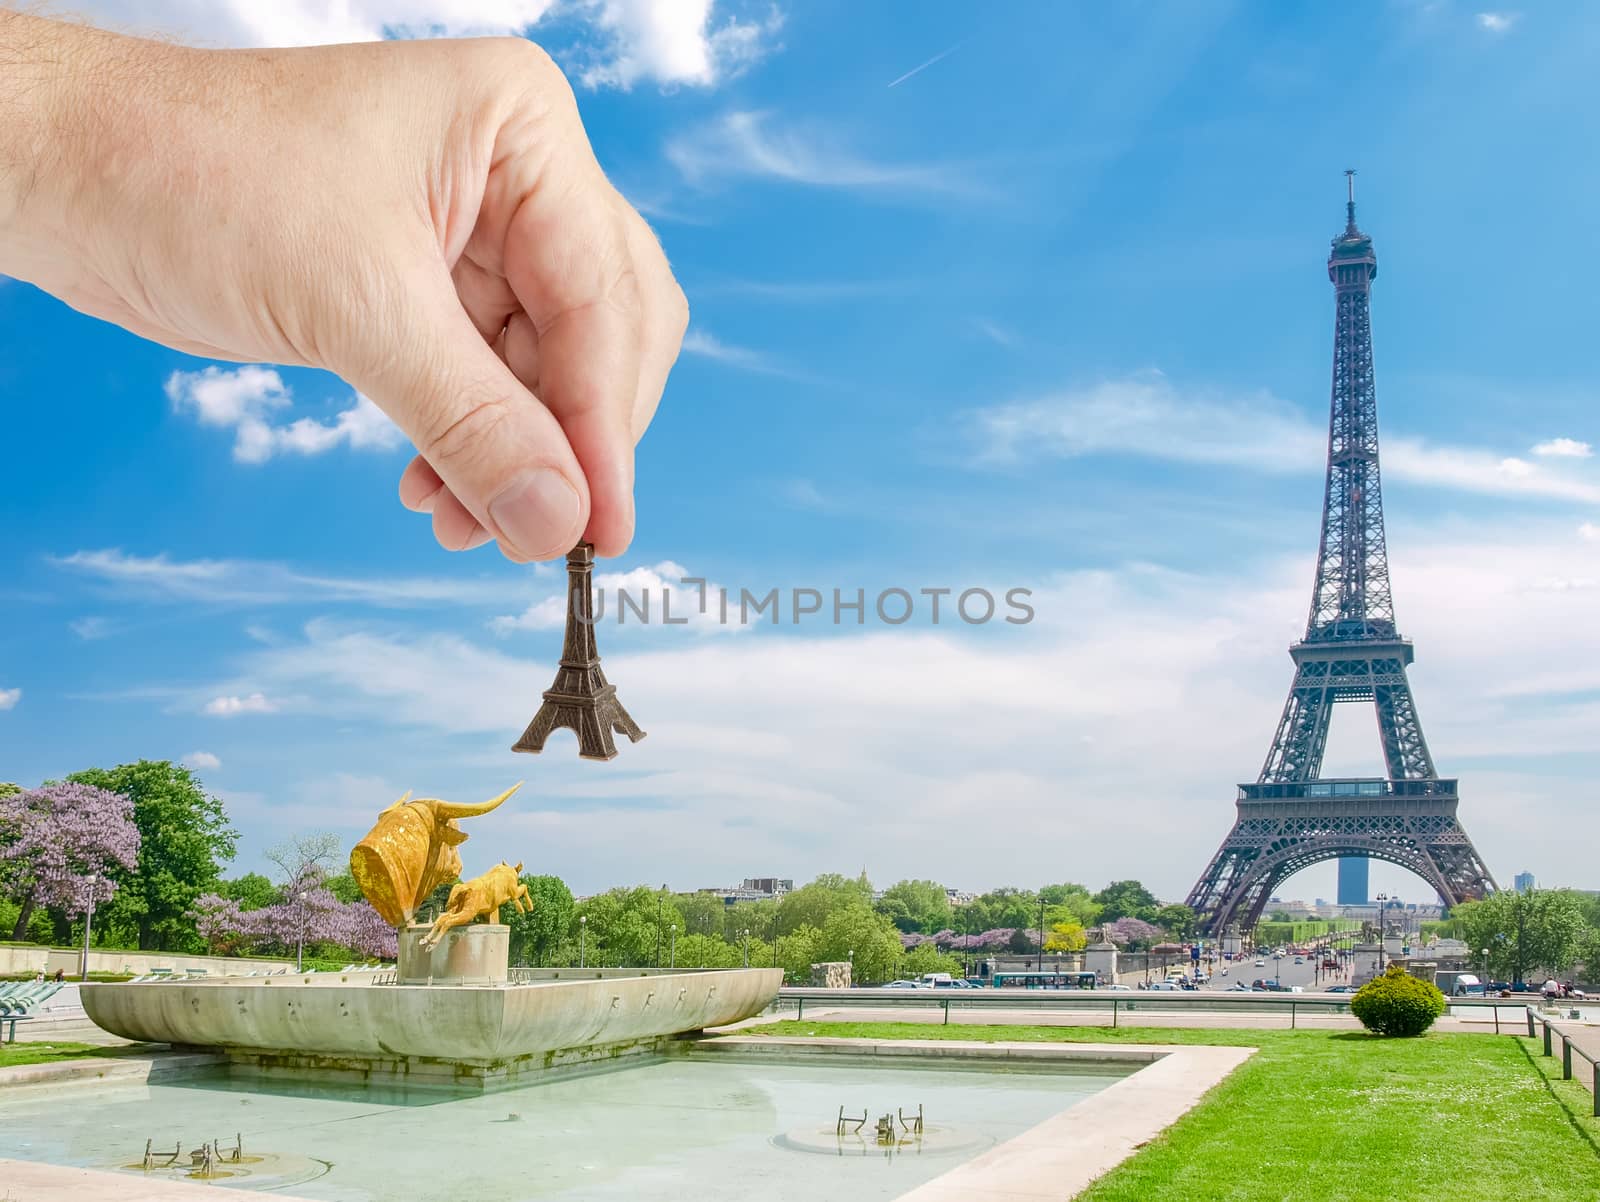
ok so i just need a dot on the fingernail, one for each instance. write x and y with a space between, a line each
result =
426 504
537 513
479 537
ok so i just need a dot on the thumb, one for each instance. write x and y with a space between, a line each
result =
497 449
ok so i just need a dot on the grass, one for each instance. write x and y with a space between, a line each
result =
49 1053
1340 1116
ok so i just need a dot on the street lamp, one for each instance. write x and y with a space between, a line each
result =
1383 899
746 934
583 946
88 921
660 897
852 958
1485 972
674 946
300 942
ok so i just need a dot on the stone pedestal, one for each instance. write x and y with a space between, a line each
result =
476 954
1101 959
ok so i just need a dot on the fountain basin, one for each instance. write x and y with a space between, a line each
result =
456 1033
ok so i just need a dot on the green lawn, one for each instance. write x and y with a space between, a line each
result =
1341 1116
49 1053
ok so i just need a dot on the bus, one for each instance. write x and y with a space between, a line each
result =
1058 979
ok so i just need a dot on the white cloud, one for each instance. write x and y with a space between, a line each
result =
707 346
1589 532
228 707
244 399
1145 415
263 582
669 41
9 698
746 144
674 42
1564 448
646 589
995 332
1498 23
201 760
91 628
1119 721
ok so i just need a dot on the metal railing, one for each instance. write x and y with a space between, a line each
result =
1568 1049
1118 1003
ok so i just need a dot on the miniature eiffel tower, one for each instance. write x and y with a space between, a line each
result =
580 699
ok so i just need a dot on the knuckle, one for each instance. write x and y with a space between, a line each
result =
454 440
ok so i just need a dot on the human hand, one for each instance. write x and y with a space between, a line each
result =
424 218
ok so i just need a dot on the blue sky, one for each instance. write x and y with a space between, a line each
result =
1034 300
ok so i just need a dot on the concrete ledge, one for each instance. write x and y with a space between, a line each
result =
1059 1054
26 1180
123 1070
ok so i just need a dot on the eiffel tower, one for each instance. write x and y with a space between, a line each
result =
581 699
1292 817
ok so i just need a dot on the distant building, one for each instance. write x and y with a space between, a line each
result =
754 888
1353 882
1523 882
960 897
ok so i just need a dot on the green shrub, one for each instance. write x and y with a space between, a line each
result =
1397 1003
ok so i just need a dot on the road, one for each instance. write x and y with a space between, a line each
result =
1284 971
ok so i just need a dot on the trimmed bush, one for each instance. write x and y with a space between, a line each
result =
1397 1003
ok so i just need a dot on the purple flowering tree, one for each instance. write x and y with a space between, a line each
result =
1132 932
308 912
52 839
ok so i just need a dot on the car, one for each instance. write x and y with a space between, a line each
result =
1260 962
1224 971
1340 989
1240 987
1167 987
1120 988
901 985
1299 960
957 983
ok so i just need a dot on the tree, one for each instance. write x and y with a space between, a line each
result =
860 929
251 891
53 838
537 934
1126 899
1539 929
810 905
702 913
622 926
183 835
1068 936
1003 908
928 958
1131 932
916 906
798 951
1075 899
1178 920
707 951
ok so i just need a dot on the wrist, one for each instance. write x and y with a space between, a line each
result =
65 90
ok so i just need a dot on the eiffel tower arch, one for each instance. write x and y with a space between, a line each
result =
1291 817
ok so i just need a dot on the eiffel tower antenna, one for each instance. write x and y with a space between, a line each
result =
581 699
1291 817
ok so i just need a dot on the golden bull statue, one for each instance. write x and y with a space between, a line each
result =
411 851
483 895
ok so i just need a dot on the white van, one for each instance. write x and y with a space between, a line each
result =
936 980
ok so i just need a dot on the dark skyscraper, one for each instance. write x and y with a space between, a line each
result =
1353 884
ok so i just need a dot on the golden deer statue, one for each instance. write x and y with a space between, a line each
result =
483 895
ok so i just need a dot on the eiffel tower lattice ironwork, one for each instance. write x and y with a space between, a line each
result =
581 699
1291 817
